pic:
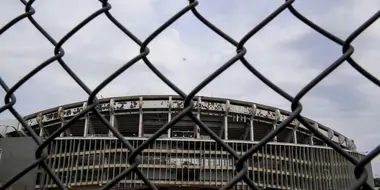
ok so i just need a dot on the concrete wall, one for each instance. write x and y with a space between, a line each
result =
17 154
370 179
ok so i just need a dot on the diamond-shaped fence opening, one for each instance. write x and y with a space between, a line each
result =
186 140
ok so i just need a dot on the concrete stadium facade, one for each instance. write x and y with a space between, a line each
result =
88 156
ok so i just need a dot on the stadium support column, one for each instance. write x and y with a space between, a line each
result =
253 114
197 129
141 130
170 115
295 132
315 125
293 135
87 123
226 120
113 120
60 112
276 121
39 121
60 117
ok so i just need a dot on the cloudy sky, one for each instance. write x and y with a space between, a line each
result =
286 51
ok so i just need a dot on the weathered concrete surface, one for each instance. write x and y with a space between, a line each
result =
17 154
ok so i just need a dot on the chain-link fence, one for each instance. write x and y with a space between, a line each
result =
134 159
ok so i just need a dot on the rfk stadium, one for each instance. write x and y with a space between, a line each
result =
87 155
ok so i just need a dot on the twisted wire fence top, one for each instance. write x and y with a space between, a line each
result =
192 8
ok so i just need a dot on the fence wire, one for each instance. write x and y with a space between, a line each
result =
134 159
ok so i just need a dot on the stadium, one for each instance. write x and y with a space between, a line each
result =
87 156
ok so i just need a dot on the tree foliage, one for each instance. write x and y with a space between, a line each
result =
377 182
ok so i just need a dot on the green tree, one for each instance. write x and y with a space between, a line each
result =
377 182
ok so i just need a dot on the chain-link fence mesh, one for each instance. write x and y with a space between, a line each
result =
134 159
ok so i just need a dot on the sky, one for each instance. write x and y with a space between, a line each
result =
286 51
